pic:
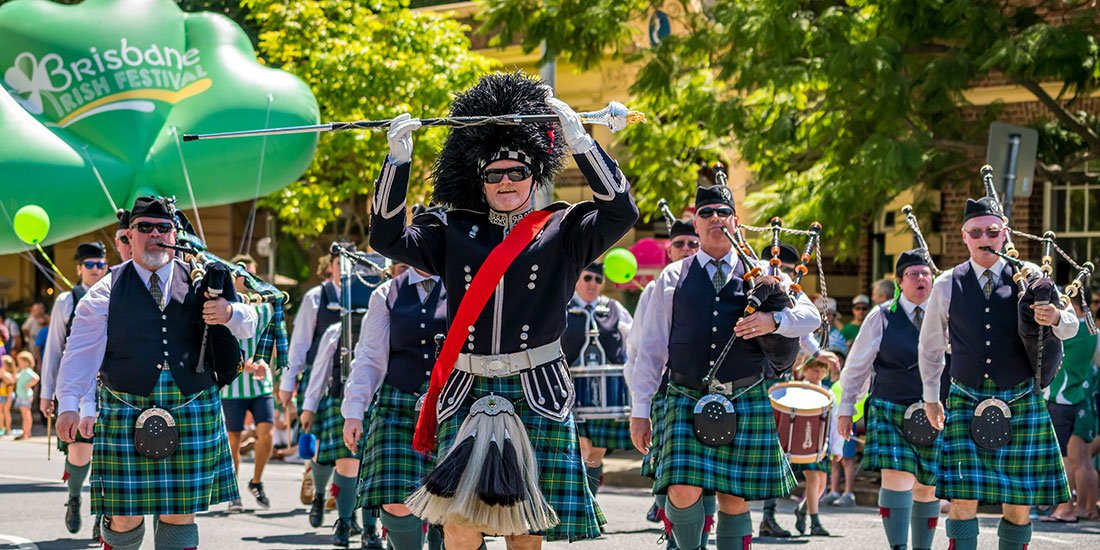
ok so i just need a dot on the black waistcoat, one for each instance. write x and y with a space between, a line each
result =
985 341
328 314
413 326
896 369
141 337
702 323
576 332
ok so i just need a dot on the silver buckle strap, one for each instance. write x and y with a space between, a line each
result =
508 364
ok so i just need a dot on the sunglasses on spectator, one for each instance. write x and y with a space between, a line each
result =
859 308
682 244
588 278
515 174
148 227
97 265
992 232
707 213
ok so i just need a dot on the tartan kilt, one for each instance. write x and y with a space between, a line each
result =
328 426
607 434
1028 471
887 448
752 466
64 447
303 383
562 476
823 465
657 423
391 470
199 474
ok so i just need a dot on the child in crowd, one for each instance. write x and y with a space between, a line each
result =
816 474
25 381
7 388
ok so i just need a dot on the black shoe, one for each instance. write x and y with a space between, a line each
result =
818 531
800 517
355 528
341 533
372 541
769 528
651 515
317 511
257 490
96 535
72 514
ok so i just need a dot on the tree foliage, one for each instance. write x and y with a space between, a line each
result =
835 106
363 61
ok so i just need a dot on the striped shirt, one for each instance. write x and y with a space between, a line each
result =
245 386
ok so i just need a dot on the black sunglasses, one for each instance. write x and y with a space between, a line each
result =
148 227
99 265
690 244
707 213
977 233
588 278
515 173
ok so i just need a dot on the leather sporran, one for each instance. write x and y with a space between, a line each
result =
916 428
991 427
155 434
714 420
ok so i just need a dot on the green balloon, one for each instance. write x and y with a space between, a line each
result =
620 265
32 223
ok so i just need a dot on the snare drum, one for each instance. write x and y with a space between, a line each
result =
802 417
601 392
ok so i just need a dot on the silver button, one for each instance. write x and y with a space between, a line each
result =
523 336
467 286
714 329
525 328
988 343
713 346
715 313
466 268
470 347
423 341
164 317
421 326
470 337
469 278
530 286
987 310
987 327
523 346
422 310
425 355
164 329
166 354
988 361
427 373
534 267
987 376
715 298
164 341
471 328
712 363
534 276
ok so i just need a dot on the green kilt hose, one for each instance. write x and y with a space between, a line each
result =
1028 471
391 470
657 429
607 434
562 475
328 426
199 474
887 448
752 466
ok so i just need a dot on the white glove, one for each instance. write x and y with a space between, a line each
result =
572 128
400 138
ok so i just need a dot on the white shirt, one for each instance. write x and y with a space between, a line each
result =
933 334
633 341
372 354
55 342
794 322
87 343
301 337
855 377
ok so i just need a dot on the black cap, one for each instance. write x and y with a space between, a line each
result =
680 227
787 253
984 206
123 218
595 267
90 250
154 207
715 194
908 258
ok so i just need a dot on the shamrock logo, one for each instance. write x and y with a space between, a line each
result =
28 76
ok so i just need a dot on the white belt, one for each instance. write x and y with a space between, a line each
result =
507 364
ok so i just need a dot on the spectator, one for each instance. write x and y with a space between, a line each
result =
25 381
7 388
34 323
860 305
882 291
40 341
835 337
14 339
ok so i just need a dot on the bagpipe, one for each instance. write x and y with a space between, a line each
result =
360 274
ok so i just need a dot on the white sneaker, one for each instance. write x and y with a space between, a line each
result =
829 498
294 459
235 506
846 501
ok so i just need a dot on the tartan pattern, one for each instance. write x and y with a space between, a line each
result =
64 447
562 475
328 426
752 466
1028 471
199 474
657 429
273 338
391 470
303 383
823 465
887 448
606 433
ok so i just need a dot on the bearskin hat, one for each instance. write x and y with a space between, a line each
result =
467 149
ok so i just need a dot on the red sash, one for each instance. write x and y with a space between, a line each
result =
481 288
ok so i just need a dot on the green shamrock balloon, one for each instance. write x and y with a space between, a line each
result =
96 98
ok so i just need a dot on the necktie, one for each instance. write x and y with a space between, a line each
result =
154 289
429 285
918 316
719 278
987 288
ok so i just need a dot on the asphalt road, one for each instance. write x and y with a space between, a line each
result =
32 516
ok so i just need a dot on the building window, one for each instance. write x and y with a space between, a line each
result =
1073 213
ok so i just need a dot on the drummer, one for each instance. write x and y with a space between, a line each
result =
882 358
751 466
597 436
